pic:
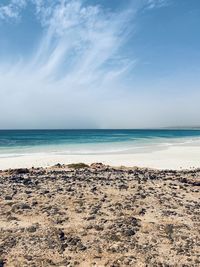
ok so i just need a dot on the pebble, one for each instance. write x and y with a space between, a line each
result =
99 213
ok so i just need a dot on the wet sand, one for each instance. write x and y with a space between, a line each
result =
175 157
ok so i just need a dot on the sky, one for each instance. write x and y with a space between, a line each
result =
99 64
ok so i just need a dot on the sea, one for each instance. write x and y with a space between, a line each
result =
93 142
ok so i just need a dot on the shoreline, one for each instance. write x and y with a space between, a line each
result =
175 157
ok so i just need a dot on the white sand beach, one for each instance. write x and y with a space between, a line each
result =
174 157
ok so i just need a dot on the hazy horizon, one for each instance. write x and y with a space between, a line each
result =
83 64
103 129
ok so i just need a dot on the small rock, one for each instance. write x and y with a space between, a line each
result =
32 229
8 197
2 262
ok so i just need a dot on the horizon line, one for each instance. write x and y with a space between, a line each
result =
103 129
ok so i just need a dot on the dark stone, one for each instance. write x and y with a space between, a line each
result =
134 221
8 198
28 192
81 247
20 171
94 189
123 186
142 212
22 206
61 235
2 262
74 241
129 232
91 218
34 203
27 181
196 183
58 165
29 258
32 229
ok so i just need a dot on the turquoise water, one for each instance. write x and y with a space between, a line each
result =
14 142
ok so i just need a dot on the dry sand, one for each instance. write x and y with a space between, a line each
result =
99 216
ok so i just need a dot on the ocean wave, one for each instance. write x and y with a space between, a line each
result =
125 146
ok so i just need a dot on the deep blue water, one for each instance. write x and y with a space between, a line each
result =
75 140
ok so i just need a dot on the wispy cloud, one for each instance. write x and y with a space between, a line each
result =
12 10
78 59
157 3
77 75
80 40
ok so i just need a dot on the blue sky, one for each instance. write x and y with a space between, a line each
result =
99 64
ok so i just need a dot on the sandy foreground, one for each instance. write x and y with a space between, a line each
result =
175 157
99 216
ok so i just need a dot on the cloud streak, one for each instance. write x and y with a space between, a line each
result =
76 65
151 4
76 78
79 41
